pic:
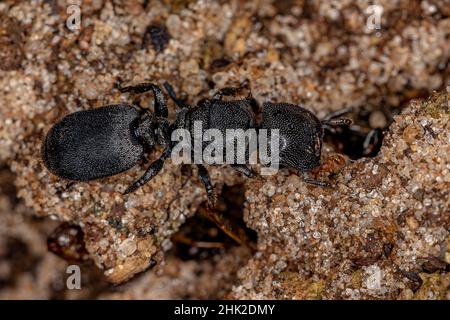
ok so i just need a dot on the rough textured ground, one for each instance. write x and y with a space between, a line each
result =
379 231
382 232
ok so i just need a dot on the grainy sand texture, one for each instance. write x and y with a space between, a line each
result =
380 232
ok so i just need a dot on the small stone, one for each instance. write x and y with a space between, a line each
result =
411 133
128 247
235 40
158 36
447 257
412 223
11 44
189 68
373 281
377 119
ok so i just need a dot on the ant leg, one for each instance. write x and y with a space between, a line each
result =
204 178
331 124
330 120
173 96
228 226
138 88
336 114
337 122
160 102
69 184
163 134
230 91
152 171
225 92
371 141
196 244
242 168
318 183
256 108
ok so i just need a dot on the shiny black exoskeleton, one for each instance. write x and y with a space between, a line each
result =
215 113
102 142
